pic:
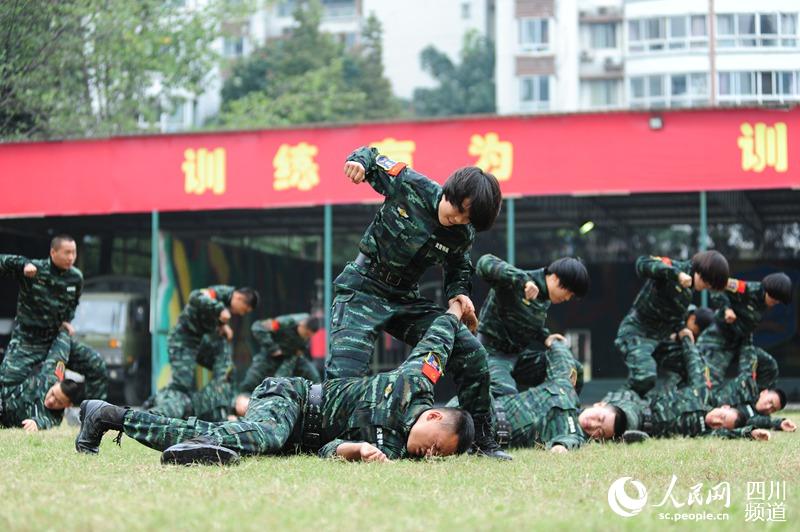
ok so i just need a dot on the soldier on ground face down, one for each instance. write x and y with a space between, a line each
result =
512 320
203 337
419 224
49 291
661 307
379 418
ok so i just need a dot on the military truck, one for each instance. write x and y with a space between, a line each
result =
113 317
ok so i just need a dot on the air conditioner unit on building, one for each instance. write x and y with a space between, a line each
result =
612 65
586 56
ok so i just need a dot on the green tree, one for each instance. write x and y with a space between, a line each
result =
308 77
99 67
465 88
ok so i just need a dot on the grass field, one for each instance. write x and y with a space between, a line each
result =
46 485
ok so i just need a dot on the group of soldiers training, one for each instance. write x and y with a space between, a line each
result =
517 383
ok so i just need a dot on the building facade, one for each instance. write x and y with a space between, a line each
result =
580 55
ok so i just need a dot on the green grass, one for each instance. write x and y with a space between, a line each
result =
44 484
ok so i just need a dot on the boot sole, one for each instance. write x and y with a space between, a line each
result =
187 454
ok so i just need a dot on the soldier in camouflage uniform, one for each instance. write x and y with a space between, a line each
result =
512 320
384 417
684 411
38 403
669 355
739 311
49 290
283 350
420 224
661 307
203 337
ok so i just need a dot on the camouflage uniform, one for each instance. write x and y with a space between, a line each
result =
26 400
380 410
659 310
381 293
675 411
194 341
512 329
546 415
45 301
723 342
279 335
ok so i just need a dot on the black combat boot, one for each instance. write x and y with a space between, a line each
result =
485 441
199 450
97 417
634 436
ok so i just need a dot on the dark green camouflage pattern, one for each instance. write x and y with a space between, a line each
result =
45 301
380 410
280 334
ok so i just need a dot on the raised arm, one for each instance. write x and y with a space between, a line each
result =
379 171
13 266
659 268
498 272
458 272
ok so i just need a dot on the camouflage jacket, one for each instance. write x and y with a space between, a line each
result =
746 299
662 302
547 414
46 300
760 421
507 319
405 234
26 400
201 313
279 334
382 409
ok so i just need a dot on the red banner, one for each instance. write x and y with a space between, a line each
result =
610 153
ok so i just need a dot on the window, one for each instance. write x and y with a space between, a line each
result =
465 10
789 29
669 90
603 93
747 30
535 93
667 33
758 87
233 46
533 34
603 36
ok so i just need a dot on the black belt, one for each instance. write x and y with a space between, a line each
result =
503 427
311 439
383 273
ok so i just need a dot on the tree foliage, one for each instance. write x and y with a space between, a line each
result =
309 76
466 88
99 67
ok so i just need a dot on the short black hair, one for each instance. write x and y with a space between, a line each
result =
73 390
620 421
57 240
572 275
712 267
781 397
778 286
462 425
482 188
741 419
313 323
703 317
251 296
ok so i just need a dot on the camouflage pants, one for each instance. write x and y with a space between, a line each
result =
178 398
363 308
637 343
512 374
720 352
282 366
24 355
275 407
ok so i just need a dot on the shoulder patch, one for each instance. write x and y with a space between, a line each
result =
60 370
736 286
211 293
666 260
392 168
432 367
274 325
